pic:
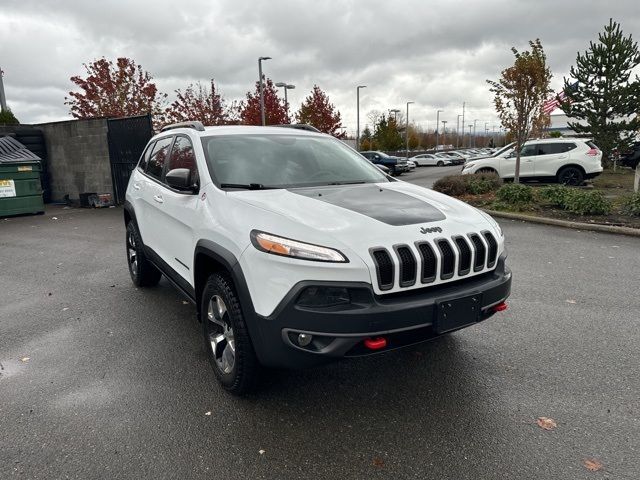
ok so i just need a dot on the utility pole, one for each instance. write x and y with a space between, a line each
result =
474 133
463 106
406 133
358 117
438 126
458 131
444 133
262 116
3 99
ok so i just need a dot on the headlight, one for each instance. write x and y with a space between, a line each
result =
286 247
491 220
469 165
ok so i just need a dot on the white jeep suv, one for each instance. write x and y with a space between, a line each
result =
296 250
566 160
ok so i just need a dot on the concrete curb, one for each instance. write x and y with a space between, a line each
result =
594 227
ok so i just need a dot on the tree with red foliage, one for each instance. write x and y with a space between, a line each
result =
316 110
275 109
119 90
198 102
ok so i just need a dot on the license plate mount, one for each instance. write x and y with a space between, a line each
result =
457 313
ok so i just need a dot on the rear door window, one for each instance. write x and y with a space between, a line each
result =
159 155
529 150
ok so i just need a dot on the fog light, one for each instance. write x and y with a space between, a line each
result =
304 339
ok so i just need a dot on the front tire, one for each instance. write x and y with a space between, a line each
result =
226 338
440 163
143 273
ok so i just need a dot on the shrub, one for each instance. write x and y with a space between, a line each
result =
631 205
453 185
8 118
483 183
515 194
587 202
456 185
555 195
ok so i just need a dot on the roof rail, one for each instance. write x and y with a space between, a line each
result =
299 126
193 124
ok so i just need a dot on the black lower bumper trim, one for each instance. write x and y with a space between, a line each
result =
402 319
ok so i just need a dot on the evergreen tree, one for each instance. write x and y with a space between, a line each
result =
386 134
8 118
605 96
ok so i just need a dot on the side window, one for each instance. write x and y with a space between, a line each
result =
529 150
183 156
158 157
144 159
568 146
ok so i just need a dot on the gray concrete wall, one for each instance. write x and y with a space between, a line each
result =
78 152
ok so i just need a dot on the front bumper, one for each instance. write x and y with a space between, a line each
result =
404 318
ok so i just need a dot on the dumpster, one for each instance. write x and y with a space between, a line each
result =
20 187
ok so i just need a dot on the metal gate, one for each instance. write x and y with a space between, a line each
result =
127 139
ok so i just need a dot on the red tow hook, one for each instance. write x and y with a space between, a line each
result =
501 307
375 343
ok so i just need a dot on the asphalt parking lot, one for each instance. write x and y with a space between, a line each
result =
101 380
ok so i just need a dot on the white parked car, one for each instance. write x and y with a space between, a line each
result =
566 160
430 160
411 164
297 251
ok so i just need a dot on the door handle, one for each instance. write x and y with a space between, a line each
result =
158 198
136 186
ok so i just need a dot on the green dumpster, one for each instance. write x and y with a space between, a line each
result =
20 188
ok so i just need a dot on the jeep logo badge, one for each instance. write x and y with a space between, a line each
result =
430 230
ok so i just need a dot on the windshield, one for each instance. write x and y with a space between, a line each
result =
284 161
503 150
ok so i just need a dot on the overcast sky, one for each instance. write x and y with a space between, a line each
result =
434 53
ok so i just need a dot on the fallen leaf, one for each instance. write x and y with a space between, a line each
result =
570 301
546 423
54 218
261 452
184 302
25 359
207 413
592 464
65 309
378 462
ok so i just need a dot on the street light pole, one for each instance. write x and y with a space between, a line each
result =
474 133
406 131
458 131
262 116
470 125
438 126
444 133
358 115
286 87
463 106
3 99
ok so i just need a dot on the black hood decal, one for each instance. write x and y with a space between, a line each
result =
388 206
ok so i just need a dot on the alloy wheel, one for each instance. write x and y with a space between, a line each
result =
221 335
132 254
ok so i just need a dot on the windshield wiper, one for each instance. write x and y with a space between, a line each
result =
245 186
347 183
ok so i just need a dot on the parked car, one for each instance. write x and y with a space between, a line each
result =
454 158
568 161
631 158
296 251
397 165
383 169
429 159
411 164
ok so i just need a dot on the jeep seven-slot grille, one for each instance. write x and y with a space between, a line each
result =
464 258
448 259
384 268
493 248
472 252
408 266
429 262
481 252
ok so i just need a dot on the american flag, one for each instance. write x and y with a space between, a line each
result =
553 103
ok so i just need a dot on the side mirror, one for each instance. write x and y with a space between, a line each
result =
180 179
